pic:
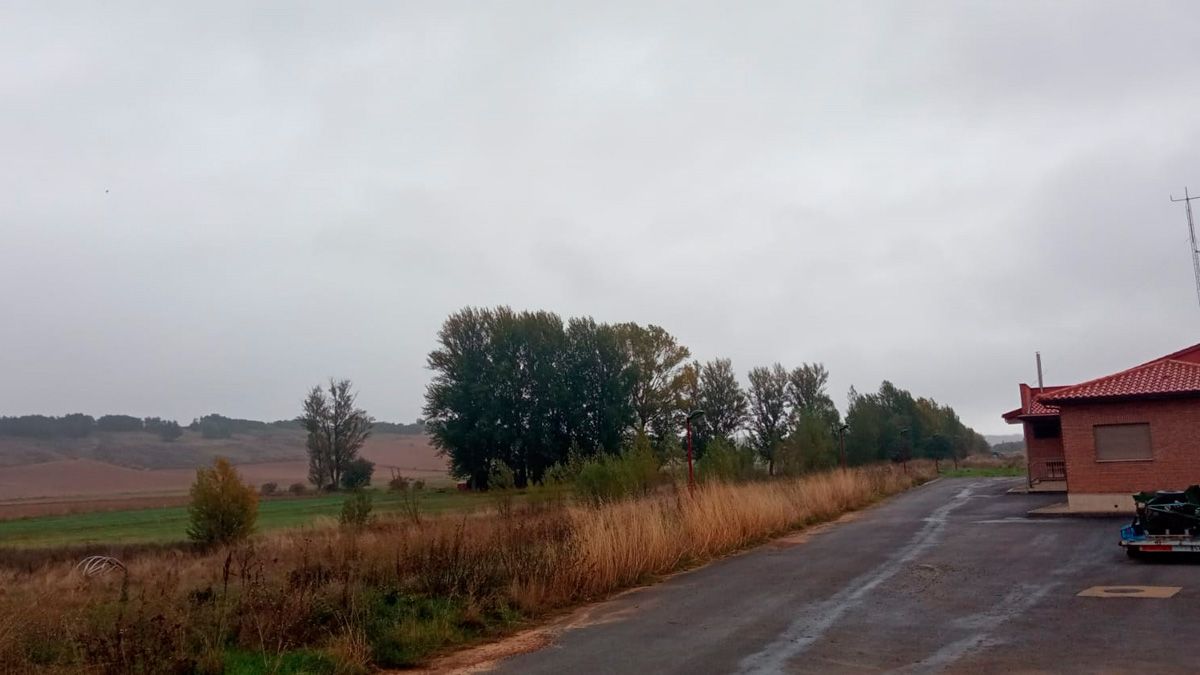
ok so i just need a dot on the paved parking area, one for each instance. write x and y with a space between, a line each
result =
950 577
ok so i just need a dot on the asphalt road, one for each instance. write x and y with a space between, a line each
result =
950 577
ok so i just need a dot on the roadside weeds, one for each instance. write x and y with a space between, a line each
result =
396 593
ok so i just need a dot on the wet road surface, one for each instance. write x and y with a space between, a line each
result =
950 577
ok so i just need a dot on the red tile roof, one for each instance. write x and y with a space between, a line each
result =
1031 404
1036 407
1162 377
1176 374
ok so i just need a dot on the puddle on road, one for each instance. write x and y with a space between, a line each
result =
1159 592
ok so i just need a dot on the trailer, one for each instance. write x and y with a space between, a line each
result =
1166 522
1138 544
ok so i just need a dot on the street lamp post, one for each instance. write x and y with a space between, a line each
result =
694 415
842 440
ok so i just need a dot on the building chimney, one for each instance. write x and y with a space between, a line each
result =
1039 365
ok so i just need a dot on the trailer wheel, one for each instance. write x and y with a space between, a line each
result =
1133 552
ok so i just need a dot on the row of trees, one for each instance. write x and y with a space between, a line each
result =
529 390
892 424
78 425
526 389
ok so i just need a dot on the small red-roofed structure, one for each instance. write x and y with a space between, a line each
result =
1107 438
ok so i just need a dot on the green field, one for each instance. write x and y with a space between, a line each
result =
169 524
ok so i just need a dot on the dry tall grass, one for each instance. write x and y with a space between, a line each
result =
398 591
626 542
989 462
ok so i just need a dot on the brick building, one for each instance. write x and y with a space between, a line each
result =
1107 438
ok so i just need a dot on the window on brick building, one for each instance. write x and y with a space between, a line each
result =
1116 442
1051 428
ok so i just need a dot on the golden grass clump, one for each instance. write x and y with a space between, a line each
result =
625 542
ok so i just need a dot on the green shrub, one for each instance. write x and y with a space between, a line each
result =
501 483
607 478
297 488
723 460
501 477
567 470
241 662
550 494
399 483
403 629
223 508
356 510
357 473
810 447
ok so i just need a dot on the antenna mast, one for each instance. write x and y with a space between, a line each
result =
1187 202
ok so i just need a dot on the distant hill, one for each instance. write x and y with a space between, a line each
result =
78 457
1010 448
213 425
153 443
134 465
1004 438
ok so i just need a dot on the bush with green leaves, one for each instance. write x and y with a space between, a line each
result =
356 510
501 484
357 473
223 509
567 470
810 447
611 477
501 477
727 461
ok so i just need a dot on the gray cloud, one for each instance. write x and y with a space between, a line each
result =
920 192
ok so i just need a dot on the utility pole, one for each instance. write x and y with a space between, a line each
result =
694 415
1187 202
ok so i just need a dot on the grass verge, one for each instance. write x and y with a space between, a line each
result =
397 592
166 525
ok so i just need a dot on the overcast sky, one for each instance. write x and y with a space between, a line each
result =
212 209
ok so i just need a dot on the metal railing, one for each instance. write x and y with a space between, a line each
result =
1047 470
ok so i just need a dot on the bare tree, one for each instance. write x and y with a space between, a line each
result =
336 432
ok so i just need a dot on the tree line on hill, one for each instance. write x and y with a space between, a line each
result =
1009 448
78 425
528 391
213 426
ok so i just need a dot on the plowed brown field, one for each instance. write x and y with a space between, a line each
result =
77 485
